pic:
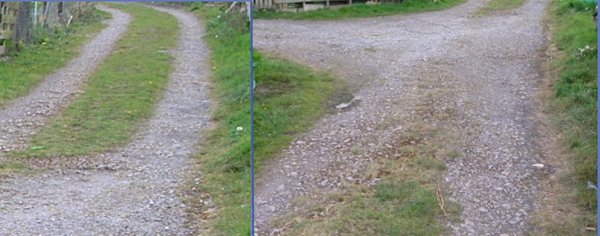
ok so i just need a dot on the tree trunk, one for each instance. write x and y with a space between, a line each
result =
23 26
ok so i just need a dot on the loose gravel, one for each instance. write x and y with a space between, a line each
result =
23 117
134 190
478 78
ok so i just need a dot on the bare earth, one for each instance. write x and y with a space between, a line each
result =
474 80
134 190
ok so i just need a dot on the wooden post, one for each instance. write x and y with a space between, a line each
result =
23 26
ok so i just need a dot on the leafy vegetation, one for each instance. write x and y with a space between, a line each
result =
23 70
576 96
362 10
119 96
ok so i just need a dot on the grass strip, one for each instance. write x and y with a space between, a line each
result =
361 10
500 5
289 98
224 159
23 70
119 96
574 104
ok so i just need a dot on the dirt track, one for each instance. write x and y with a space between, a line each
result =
133 190
479 77
24 116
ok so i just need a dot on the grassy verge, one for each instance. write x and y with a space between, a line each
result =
500 5
575 101
119 96
52 50
224 160
362 10
289 98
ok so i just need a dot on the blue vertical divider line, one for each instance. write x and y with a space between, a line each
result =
597 139
252 116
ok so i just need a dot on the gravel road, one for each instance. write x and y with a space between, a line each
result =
21 118
473 79
131 191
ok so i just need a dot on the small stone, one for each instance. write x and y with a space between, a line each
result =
538 165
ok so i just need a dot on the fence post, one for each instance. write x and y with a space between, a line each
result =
23 25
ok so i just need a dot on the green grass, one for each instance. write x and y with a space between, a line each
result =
362 10
500 5
289 99
575 100
119 96
12 167
51 51
224 159
396 207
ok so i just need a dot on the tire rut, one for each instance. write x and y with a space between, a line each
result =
133 190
